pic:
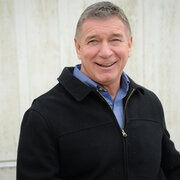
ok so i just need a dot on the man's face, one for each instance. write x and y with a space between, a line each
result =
103 48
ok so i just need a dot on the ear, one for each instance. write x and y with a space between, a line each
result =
78 48
130 46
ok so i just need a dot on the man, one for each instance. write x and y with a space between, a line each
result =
96 123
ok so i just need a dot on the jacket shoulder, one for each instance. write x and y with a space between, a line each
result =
148 94
146 102
50 96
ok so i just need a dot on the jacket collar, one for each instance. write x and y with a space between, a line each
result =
73 85
135 86
79 90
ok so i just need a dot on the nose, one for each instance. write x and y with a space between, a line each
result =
105 50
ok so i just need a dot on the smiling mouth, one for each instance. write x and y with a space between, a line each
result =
106 65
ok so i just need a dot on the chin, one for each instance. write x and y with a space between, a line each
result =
104 81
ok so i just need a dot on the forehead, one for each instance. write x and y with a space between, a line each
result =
107 26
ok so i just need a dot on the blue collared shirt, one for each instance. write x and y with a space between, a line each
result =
117 104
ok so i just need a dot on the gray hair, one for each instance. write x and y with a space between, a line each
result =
102 10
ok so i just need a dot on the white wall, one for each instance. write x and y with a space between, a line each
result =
36 42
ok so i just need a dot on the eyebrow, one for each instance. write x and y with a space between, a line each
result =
91 37
112 35
117 35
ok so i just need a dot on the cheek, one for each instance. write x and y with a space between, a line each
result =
123 53
90 54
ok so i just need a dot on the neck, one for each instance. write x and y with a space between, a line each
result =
112 89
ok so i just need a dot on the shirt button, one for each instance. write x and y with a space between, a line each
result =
100 89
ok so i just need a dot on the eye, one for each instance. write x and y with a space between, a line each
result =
93 41
116 40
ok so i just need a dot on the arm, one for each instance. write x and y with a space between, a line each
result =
170 158
38 156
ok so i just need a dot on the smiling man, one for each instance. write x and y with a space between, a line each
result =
103 46
97 123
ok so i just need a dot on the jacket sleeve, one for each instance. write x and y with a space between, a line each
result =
38 157
170 157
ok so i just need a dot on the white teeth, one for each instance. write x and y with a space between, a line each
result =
106 65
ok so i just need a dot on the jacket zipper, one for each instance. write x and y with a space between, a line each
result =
124 119
122 130
125 107
124 137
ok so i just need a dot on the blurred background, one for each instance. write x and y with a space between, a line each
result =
36 43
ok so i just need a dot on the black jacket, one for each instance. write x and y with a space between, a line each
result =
71 133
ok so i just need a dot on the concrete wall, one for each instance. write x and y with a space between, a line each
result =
36 42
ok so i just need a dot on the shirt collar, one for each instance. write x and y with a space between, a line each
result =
89 82
124 82
83 78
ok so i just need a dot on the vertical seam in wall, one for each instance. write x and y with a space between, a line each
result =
22 53
59 44
143 43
